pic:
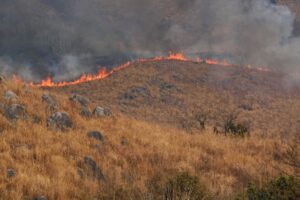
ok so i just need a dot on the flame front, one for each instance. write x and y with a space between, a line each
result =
103 73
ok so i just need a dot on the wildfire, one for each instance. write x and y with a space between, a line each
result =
103 73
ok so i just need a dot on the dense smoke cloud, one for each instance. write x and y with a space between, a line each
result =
65 38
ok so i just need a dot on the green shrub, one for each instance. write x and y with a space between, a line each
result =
282 188
184 186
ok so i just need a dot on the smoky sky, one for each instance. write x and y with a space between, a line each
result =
65 38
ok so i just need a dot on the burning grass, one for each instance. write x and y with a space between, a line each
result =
103 73
46 161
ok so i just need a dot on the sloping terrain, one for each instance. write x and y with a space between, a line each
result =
128 154
177 93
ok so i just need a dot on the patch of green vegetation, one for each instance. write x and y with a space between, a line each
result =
184 186
235 129
281 188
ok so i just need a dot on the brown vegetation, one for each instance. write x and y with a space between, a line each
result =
178 93
137 156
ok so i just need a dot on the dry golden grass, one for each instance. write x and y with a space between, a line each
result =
47 161
173 92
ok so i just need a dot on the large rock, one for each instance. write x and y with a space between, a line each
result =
93 169
10 95
60 120
80 99
102 112
96 135
15 112
52 105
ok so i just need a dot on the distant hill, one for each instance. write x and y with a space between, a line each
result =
176 92
52 148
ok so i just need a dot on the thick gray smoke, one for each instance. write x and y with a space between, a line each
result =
65 38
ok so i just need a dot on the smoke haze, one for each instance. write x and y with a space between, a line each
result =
64 38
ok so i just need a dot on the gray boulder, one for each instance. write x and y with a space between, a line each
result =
96 135
102 112
11 173
10 95
48 99
60 120
79 99
93 169
52 105
15 112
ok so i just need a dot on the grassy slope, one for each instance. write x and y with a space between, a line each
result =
194 88
46 161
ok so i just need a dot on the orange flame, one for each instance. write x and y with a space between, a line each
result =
103 73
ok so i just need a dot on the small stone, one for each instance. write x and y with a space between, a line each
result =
48 99
60 120
40 198
10 95
36 119
102 112
124 141
79 99
52 106
96 135
92 167
80 172
11 173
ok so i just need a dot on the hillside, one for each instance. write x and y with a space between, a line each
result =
132 158
177 92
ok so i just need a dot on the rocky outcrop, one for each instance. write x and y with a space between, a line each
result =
49 100
96 135
80 100
60 120
15 112
91 168
102 112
